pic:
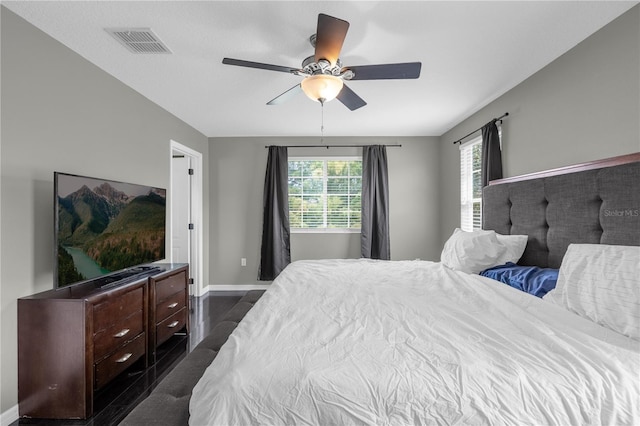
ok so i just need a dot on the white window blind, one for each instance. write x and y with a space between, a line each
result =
471 185
325 194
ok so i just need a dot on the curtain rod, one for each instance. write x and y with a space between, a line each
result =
495 119
333 146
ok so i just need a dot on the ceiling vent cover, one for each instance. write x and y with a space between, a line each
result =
139 40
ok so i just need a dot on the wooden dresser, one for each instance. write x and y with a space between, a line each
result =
73 341
168 307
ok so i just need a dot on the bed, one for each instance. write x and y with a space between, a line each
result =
411 342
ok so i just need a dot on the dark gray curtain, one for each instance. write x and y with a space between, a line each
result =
275 252
491 153
374 240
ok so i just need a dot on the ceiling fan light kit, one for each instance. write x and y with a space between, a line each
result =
321 87
323 74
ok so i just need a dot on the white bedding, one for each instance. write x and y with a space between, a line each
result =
373 342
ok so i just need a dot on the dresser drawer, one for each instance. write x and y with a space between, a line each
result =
170 285
114 310
168 327
108 339
116 363
170 306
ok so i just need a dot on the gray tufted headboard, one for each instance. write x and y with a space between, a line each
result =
597 203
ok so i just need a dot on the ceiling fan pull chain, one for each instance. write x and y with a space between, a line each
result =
322 122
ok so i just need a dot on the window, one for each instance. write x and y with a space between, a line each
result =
325 194
471 185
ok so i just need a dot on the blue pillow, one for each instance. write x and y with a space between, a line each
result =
530 279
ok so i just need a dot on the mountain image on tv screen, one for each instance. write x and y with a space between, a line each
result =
105 226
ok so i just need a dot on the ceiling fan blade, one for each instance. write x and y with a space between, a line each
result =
349 98
330 35
282 98
249 64
404 70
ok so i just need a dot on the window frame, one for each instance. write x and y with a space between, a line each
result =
469 144
467 200
325 230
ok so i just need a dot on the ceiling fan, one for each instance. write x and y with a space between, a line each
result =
323 73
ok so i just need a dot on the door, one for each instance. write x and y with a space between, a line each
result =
187 208
180 209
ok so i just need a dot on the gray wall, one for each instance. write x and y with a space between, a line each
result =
59 112
583 106
237 179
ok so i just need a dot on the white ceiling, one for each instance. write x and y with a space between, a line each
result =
471 53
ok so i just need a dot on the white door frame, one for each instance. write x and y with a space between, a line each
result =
197 254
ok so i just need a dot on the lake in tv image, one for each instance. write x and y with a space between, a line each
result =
104 226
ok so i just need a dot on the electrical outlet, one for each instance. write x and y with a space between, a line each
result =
243 262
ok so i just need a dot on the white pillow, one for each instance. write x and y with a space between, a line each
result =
472 252
515 247
602 283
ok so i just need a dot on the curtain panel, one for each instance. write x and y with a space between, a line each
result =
275 252
491 153
374 240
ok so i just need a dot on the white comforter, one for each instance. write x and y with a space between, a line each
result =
395 343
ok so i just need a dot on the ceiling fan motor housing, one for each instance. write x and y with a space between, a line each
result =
311 67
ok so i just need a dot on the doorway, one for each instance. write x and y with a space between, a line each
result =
186 212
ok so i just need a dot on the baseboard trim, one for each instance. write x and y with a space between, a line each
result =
233 288
9 416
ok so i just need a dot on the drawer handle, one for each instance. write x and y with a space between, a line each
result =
124 357
122 333
173 324
173 305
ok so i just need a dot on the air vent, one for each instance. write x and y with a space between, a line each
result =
139 40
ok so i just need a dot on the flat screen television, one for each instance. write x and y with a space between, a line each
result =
105 230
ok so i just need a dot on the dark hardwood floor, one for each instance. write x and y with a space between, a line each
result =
116 400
